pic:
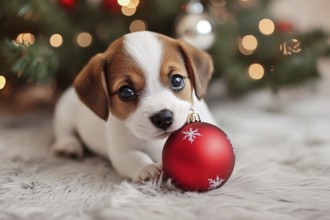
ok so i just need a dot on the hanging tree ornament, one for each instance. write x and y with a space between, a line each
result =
195 26
112 6
198 157
284 26
68 4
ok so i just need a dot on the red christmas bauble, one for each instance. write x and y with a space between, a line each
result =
68 4
283 26
198 157
112 5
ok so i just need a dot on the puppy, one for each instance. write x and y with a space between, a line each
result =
127 100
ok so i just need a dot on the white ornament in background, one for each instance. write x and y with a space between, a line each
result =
195 26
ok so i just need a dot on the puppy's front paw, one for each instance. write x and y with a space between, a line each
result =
149 173
68 147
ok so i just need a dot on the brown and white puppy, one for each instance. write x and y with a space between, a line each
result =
127 100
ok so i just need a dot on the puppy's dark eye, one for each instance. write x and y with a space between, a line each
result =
177 82
126 93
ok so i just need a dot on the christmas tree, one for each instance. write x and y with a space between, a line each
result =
46 41
254 49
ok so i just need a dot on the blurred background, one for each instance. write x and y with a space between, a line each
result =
272 44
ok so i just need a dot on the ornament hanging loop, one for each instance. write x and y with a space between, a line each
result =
193 117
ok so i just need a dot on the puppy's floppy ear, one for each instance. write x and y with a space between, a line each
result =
91 86
199 65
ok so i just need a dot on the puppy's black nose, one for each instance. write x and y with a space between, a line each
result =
162 119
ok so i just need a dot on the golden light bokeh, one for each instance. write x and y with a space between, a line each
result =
25 38
249 42
138 25
128 11
84 39
56 40
256 71
242 49
2 82
123 2
133 3
266 26
129 3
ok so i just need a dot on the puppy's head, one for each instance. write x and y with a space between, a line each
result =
147 81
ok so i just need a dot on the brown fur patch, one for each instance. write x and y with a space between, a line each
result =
122 72
172 64
90 86
199 64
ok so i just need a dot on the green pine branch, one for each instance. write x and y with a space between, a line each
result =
36 62
315 40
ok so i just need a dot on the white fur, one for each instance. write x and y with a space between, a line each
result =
134 145
155 102
155 97
147 56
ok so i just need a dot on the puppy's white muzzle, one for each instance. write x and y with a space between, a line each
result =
158 115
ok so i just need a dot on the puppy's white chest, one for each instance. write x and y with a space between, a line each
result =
91 129
120 139
154 149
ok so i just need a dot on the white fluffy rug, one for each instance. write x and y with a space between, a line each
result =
282 169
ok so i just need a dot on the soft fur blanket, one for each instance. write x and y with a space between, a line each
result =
282 169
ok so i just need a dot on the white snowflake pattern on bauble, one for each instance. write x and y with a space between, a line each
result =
191 135
215 183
